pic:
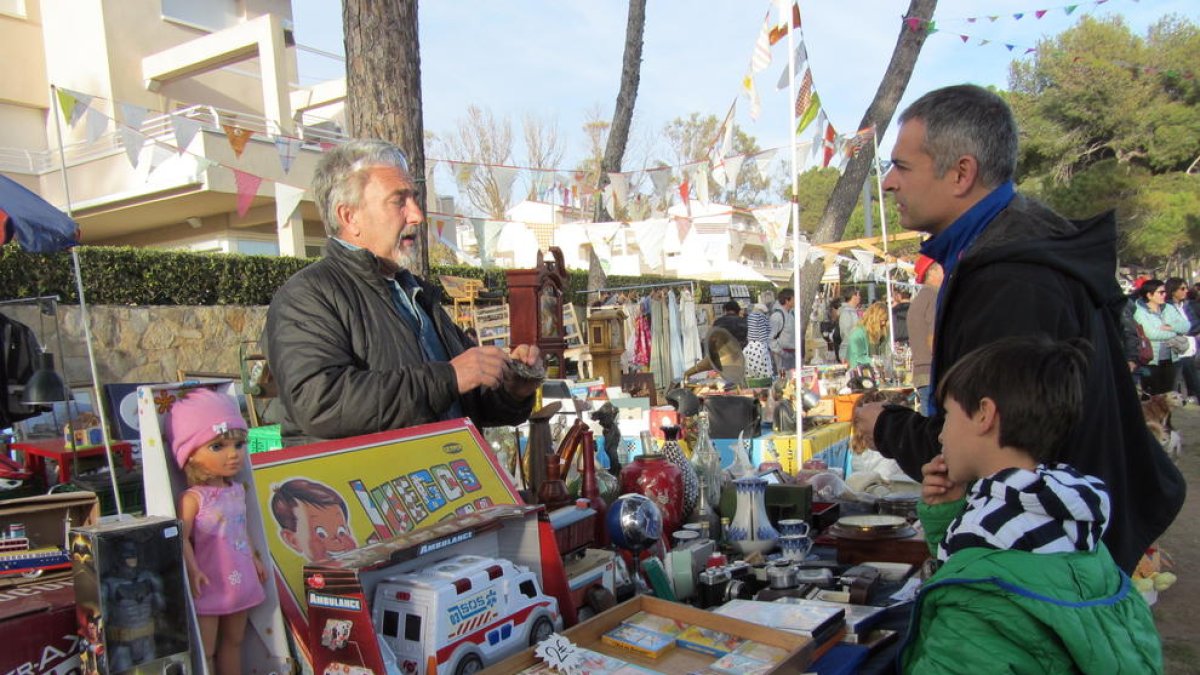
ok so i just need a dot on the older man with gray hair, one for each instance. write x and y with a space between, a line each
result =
356 341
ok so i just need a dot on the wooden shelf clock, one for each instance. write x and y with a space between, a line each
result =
535 304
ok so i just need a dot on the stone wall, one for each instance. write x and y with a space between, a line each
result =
146 344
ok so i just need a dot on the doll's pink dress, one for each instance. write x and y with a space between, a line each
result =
223 551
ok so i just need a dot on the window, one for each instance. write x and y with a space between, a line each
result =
412 627
528 589
14 8
255 247
391 623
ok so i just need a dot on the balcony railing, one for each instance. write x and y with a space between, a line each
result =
158 127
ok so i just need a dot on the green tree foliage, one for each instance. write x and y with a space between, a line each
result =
691 140
1110 119
816 184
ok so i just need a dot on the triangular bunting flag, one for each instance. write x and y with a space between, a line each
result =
828 144
97 124
287 148
504 176
650 235
800 57
733 166
237 137
1040 13
247 188
66 104
774 222
185 129
132 115
287 198
685 191
762 161
660 178
810 113
700 182
804 95
761 57
539 182
620 187
132 141
463 173
684 225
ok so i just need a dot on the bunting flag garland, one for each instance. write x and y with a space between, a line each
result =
504 176
774 222
463 173
70 105
185 130
733 167
804 96
287 198
237 137
247 188
132 141
762 162
287 148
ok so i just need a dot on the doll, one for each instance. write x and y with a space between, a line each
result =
207 435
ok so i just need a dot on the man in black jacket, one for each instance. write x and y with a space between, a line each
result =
356 342
1014 267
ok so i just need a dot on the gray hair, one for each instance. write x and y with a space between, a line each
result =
966 119
342 173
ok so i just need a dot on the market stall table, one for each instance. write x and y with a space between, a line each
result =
37 451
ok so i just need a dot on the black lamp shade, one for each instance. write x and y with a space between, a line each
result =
45 386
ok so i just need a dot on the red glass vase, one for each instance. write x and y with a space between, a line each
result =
662 482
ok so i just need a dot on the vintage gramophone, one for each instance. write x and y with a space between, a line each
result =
535 307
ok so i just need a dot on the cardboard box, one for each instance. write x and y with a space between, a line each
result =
132 597
46 520
38 623
676 661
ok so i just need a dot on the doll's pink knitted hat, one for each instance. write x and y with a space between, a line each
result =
197 418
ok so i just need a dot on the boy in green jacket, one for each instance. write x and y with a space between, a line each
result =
1024 584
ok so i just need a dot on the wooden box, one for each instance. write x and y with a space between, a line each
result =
676 661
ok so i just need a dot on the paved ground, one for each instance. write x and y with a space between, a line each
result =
1176 610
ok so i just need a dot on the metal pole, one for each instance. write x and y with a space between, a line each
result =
883 229
98 397
786 14
868 229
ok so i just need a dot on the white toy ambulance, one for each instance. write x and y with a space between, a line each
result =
460 615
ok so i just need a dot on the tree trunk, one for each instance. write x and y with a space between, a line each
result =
383 85
848 188
631 75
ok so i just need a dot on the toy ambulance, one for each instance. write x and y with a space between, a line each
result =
460 615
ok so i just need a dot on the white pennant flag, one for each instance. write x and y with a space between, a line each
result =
185 129
620 187
287 148
133 141
866 261
752 94
97 124
762 161
774 222
699 183
504 176
733 167
661 179
287 198
463 173
650 235
132 115
761 58
816 254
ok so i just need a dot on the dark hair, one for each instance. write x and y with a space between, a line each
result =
732 306
1036 383
849 292
1173 284
300 490
1148 287
785 295
967 119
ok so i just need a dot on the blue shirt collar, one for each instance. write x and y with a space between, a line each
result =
949 247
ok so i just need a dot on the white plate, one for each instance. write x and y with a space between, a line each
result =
872 521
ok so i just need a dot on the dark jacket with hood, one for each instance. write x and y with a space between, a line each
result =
347 363
1032 271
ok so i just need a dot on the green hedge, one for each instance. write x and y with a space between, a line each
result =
127 275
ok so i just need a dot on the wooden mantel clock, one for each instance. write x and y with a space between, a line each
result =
535 309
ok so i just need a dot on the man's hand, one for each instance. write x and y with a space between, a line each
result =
480 367
518 386
936 486
864 422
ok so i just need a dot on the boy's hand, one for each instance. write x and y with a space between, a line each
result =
936 486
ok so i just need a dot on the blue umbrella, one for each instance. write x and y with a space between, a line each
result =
37 226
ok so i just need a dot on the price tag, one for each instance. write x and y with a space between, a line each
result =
559 653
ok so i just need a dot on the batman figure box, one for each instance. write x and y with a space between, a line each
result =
131 596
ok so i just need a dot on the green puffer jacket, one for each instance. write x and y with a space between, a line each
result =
992 611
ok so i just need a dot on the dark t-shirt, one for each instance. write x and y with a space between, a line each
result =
736 325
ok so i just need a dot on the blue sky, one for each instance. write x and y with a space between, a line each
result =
559 58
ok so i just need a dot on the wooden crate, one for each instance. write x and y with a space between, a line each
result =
677 661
